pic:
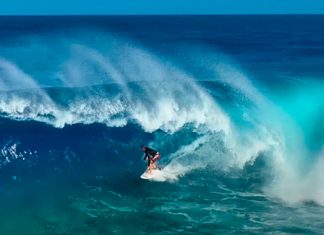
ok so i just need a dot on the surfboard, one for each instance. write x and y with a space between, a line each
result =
148 176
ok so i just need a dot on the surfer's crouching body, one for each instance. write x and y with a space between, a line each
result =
152 156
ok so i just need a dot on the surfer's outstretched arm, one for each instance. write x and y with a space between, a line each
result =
145 157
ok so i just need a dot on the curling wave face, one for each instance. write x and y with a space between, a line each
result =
223 124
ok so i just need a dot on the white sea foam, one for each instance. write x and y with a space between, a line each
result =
170 100
295 185
274 133
9 152
167 98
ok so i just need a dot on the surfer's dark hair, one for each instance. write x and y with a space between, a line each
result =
143 146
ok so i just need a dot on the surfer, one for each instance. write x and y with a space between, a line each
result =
152 156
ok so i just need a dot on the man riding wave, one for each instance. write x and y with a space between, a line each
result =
152 156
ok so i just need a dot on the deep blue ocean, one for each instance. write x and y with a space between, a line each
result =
234 104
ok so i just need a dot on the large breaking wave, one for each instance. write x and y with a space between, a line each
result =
223 123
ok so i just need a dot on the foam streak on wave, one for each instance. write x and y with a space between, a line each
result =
163 94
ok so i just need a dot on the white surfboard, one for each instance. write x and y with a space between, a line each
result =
147 176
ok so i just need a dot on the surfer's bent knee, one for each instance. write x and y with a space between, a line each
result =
156 157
